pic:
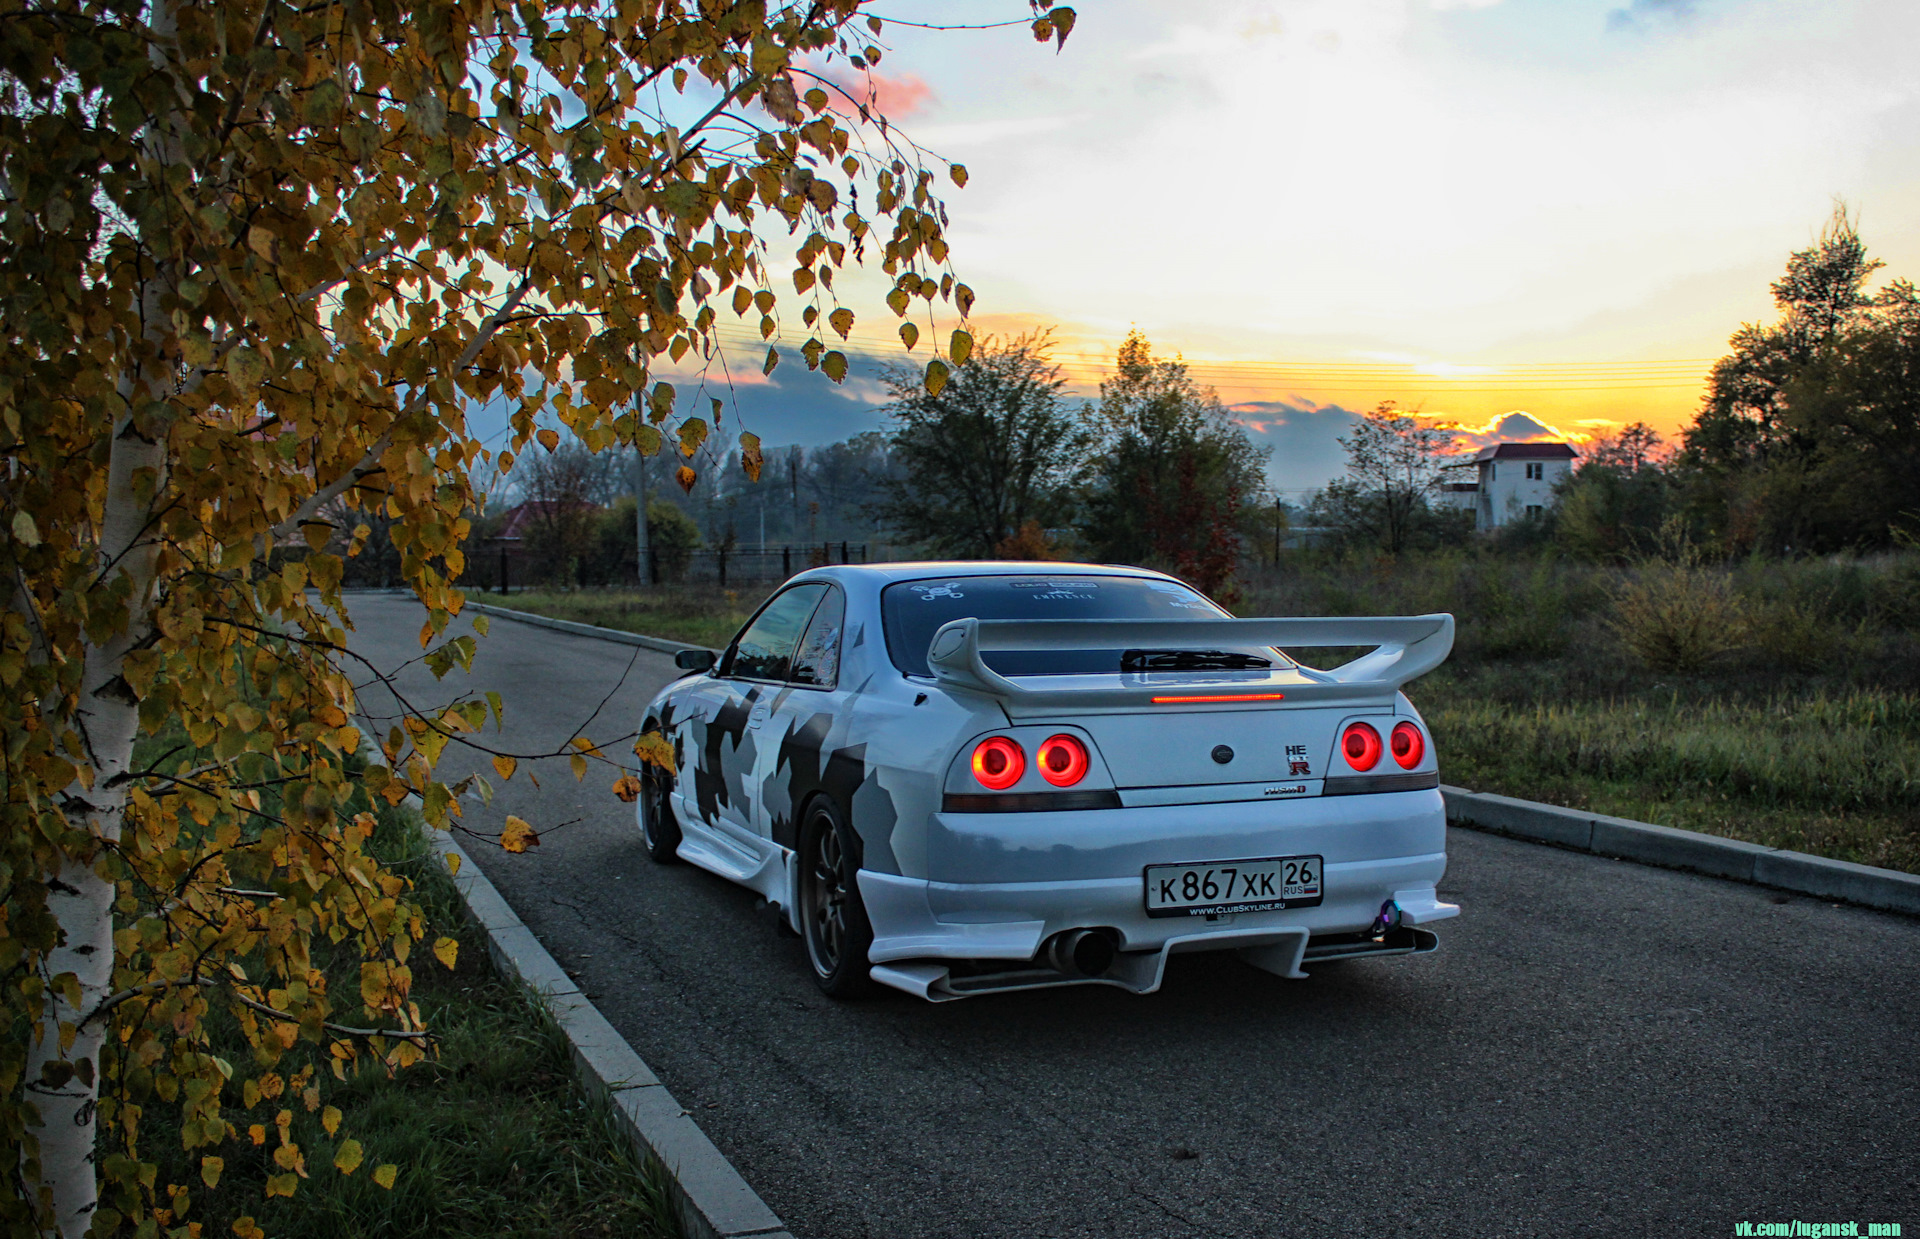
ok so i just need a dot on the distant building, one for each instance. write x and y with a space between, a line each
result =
1510 481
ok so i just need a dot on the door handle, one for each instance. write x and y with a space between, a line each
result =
758 715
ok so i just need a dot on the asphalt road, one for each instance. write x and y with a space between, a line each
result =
1597 1047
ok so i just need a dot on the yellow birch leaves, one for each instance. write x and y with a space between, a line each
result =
518 835
398 220
655 749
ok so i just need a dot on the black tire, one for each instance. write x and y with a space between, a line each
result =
659 829
834 921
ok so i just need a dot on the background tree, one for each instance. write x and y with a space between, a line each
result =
256 259
1615 503
564 491
1174 474
847 478
1809 435
993 449
1393 471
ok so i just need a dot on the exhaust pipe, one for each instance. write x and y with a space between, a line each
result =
1388 920
1079 952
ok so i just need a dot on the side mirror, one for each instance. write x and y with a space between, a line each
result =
695 660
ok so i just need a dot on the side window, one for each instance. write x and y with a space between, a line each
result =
765 650
818 662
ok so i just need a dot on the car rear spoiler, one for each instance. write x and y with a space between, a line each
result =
1407 647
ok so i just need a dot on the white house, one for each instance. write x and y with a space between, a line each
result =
1510 481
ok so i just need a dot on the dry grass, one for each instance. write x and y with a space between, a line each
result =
1777 702
1835 776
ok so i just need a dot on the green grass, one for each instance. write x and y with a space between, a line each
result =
491 1135
1835 776
1801 729
698 615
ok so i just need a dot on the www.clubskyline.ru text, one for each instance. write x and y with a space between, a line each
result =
1816 1230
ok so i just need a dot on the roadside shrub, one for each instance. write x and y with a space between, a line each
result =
1522 616
1793 633
1893 591
1674 612
615 556
1678 616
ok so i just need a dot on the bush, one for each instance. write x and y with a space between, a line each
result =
1530 621
614 558
1893 594
1678 617
1028 542
1610 513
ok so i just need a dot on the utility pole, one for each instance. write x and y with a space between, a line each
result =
640 515
793 487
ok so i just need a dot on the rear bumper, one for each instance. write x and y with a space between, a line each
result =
1005 883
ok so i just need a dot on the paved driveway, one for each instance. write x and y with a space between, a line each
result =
1597 1047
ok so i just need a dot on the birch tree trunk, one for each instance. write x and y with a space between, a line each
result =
63 1063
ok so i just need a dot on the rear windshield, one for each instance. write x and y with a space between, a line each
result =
914 610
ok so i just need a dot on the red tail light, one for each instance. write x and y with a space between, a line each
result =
1063 761
998 763
1361 746
1408 745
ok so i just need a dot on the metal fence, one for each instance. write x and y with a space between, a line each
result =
769 565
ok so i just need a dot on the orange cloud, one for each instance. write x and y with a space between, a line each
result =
895 98
1517 426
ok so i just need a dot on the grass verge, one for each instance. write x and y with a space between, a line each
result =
1832 776
695 614
1792 719
492 1135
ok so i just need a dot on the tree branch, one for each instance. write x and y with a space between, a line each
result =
155 987
370 463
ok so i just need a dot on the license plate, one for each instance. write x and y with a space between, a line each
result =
1263 885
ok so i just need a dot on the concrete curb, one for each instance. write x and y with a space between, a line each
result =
1887 889
583 630
713 1200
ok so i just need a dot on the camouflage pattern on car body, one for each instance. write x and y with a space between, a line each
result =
945 882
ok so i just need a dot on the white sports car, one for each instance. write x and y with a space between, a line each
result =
963 778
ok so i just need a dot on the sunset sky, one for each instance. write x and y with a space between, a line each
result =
1556 208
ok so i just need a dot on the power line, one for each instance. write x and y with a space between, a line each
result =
1649 374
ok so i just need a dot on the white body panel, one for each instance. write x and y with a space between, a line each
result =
947 888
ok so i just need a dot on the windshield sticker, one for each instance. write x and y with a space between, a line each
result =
929 592
1057 590
1178 595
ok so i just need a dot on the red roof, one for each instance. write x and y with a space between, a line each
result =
1521 451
